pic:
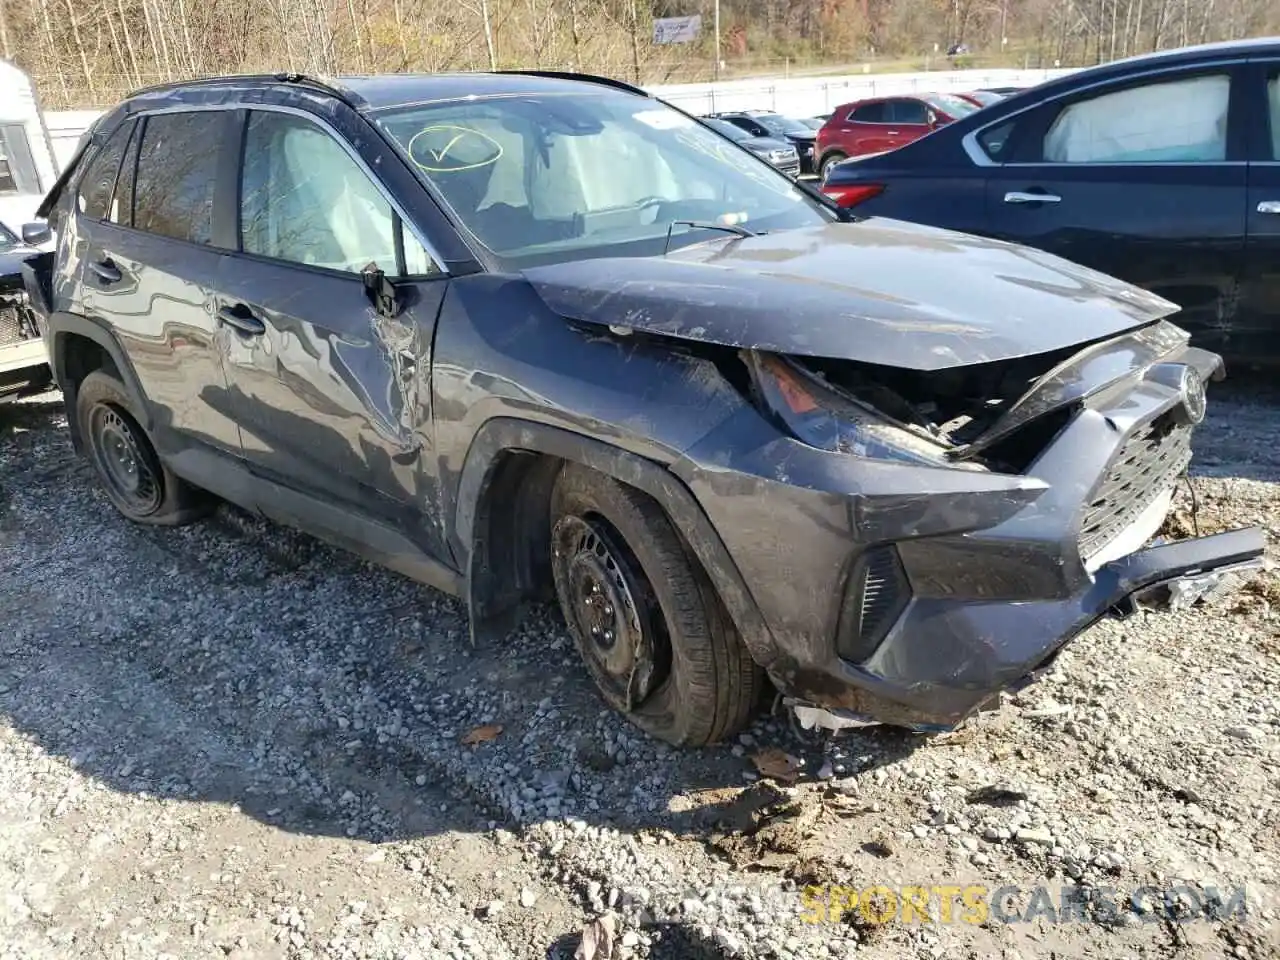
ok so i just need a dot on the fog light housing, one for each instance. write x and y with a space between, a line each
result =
876 593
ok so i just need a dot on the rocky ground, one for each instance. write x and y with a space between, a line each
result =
231 741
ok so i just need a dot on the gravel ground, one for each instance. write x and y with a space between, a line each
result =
229 740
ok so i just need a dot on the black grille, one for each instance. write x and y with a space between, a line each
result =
877 593
1148 463
14 322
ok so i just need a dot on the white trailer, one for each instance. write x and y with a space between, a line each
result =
28 166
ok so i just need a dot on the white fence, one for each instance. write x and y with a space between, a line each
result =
812 96
801 96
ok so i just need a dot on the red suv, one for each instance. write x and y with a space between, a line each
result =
884 123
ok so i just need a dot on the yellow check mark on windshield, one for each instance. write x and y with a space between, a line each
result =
438 155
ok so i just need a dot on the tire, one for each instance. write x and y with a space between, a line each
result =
695 682
114 439
829 161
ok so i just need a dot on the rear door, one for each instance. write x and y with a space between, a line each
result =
332 398
908 120
1257 329
1143 179
150 266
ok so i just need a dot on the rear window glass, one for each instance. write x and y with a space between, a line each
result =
177 168
98 184
869 113
995 141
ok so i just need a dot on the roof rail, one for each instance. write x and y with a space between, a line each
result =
583 77
327 85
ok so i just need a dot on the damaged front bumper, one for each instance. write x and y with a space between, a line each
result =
1171 576
913 595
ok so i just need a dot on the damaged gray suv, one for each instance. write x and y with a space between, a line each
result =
524 336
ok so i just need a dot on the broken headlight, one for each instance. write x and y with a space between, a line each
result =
825 417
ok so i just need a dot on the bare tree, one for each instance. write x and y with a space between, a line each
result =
90 52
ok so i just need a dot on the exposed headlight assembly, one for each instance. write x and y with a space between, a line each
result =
827 418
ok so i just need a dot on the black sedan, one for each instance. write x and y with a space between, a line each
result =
766 123
1163 170
780 153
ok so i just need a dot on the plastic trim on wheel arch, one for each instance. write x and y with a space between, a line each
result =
504 434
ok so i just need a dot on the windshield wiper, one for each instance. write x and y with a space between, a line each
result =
733 228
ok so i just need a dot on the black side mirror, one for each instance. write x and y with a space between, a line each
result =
36 234
386 298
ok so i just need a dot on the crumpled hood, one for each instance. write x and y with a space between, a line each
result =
876 291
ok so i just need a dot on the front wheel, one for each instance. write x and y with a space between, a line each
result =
649 625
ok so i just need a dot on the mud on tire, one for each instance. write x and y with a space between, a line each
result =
651 629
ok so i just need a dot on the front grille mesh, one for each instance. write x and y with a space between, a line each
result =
14 323
1148 463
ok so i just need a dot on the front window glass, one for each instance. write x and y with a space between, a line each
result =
305 200
559 177
1171 121
908 111
7 238
953 106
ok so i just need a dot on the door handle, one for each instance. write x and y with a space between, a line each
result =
105 270
1269 206
241 320
1018 196
891 133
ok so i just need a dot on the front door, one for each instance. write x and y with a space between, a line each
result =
332 398
149 270
1110 181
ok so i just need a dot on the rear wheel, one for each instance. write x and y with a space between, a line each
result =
829 161
648 624
131 473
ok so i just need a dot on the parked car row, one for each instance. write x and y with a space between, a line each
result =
853 129
766 123
1162 170
781 153
736 430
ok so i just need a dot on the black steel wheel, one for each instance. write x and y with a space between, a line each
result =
649 625
613 609
132 474
124 459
